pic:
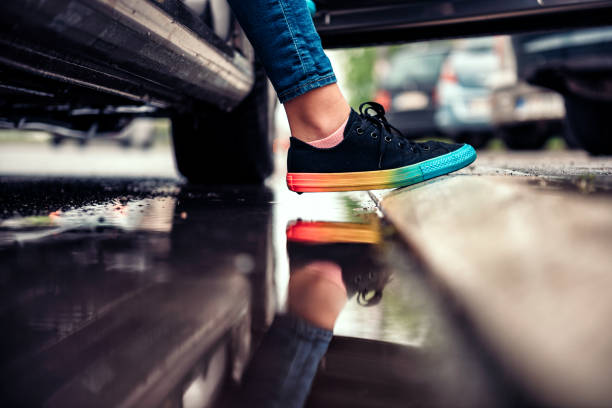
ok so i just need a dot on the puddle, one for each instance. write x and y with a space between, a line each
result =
149 214
155 269
378 308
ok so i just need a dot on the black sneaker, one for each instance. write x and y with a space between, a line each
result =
373 155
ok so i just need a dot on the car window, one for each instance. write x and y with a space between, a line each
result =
413 67
484 44
562 40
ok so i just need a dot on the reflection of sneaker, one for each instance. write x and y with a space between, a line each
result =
373 155
352 246
324 232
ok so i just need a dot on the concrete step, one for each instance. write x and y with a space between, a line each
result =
530 264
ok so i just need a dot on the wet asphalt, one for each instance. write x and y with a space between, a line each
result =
118 283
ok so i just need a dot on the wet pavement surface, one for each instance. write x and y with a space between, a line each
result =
103 280
131 291
522 243
99 294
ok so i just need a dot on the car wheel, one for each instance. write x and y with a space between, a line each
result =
147 145
530 136
589 123
56 140
570 140
477 140
212 146
126 142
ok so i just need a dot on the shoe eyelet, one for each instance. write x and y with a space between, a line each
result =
374 135
425 147
359 131
387 139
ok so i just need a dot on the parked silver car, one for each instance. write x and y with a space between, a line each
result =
408 90
467 79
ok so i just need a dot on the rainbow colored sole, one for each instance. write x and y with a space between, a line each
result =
382 179
327 232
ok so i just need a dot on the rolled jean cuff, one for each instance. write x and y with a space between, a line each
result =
305 86
302 329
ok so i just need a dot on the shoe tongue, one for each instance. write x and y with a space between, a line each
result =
353 117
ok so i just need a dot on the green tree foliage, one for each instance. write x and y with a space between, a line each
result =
359 70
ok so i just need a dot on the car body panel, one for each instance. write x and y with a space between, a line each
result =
465 86
383 22
415 123
410 86
129 48
523 103
575 63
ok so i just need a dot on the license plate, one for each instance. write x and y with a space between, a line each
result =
407 101
539 106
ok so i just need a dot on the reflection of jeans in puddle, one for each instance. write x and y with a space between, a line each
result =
329 262
285 363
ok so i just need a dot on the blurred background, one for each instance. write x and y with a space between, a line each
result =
473 90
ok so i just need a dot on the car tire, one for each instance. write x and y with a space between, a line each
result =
147 145
216 147
570 140
126 143
477 140
56 140
532 136
589 124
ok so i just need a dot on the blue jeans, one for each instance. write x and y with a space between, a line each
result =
282 369
286 43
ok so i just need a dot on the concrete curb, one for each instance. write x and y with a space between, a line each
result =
531 266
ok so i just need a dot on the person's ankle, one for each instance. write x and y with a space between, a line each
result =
315 128
317 114
331 140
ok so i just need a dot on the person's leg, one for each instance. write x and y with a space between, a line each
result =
284 365
333 148
286 42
